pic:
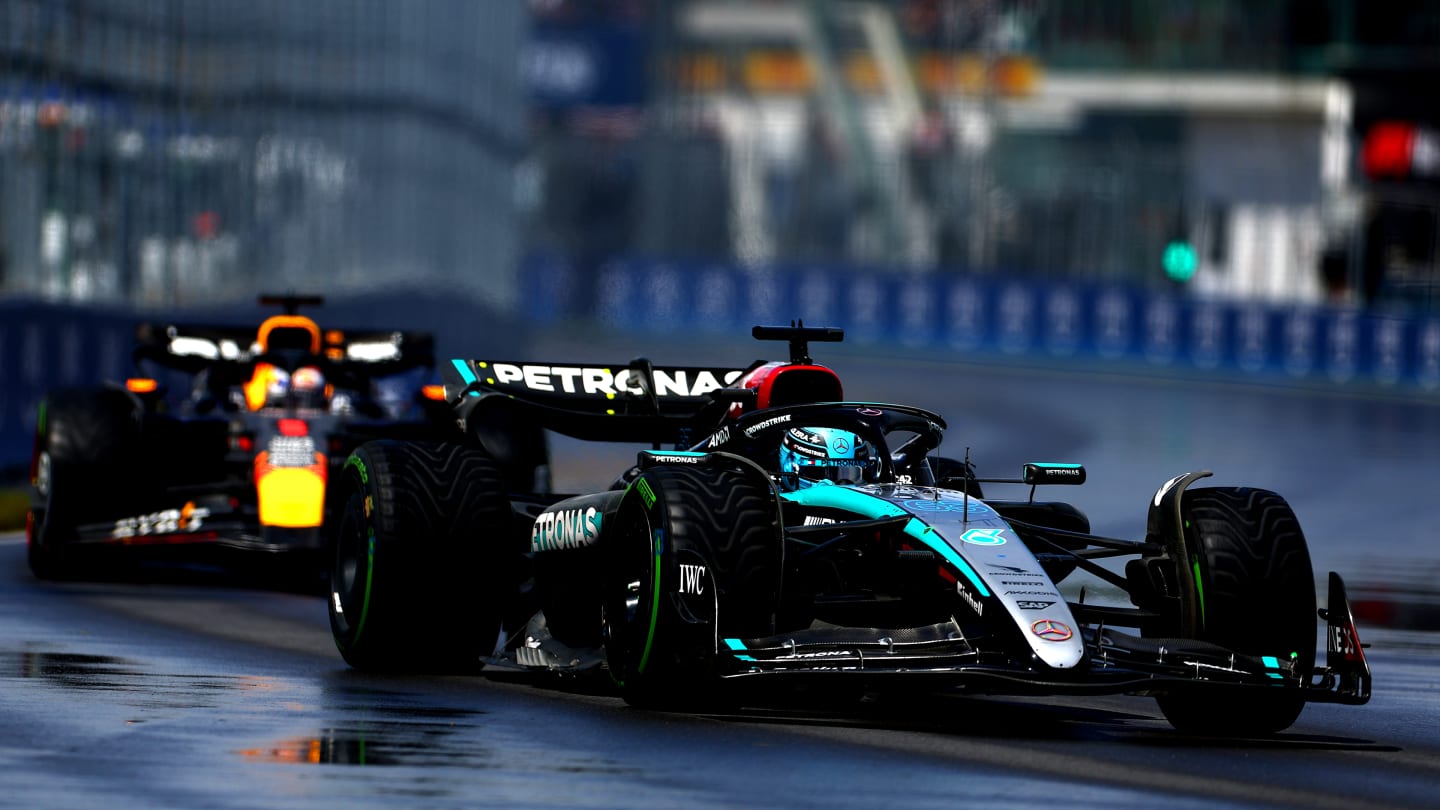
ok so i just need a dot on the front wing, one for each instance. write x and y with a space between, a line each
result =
208 522
1115 662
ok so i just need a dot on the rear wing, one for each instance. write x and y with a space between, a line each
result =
623 402
193 348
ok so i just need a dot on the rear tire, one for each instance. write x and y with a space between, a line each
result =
1257 597
696 557
423 559
87 446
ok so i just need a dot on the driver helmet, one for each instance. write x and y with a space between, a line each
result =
818 455
308 384
307 378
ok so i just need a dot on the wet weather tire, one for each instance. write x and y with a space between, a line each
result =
1256 595
696 557
423 554
86 449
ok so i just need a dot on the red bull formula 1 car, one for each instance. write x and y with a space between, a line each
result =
240 457
777 535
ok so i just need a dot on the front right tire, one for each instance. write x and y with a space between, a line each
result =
1256 596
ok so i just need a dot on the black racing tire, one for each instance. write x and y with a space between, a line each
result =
696 556
424 549
87 449
1257 597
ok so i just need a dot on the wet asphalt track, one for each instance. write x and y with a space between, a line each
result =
193 694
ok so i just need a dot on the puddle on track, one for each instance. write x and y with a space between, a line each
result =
102 673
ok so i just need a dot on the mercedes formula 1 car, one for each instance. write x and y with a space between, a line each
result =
239 457
777 535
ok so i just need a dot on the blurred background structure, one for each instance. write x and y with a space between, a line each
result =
166 152
1281 150
1246 185
176 152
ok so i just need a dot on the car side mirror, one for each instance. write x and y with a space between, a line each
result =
1036 473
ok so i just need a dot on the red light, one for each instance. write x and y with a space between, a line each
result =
205 224
293 427
1389 148
243 443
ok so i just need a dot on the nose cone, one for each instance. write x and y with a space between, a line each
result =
1056 642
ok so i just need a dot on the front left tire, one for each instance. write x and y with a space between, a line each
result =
425 553
696 557
87 448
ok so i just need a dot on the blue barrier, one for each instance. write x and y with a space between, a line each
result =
45 346
989 315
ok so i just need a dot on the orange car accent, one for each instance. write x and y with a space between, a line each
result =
292 497
257 388
288 322
186 513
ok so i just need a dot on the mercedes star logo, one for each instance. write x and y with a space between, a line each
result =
1051 630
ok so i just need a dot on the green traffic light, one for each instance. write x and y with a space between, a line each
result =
1179 261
